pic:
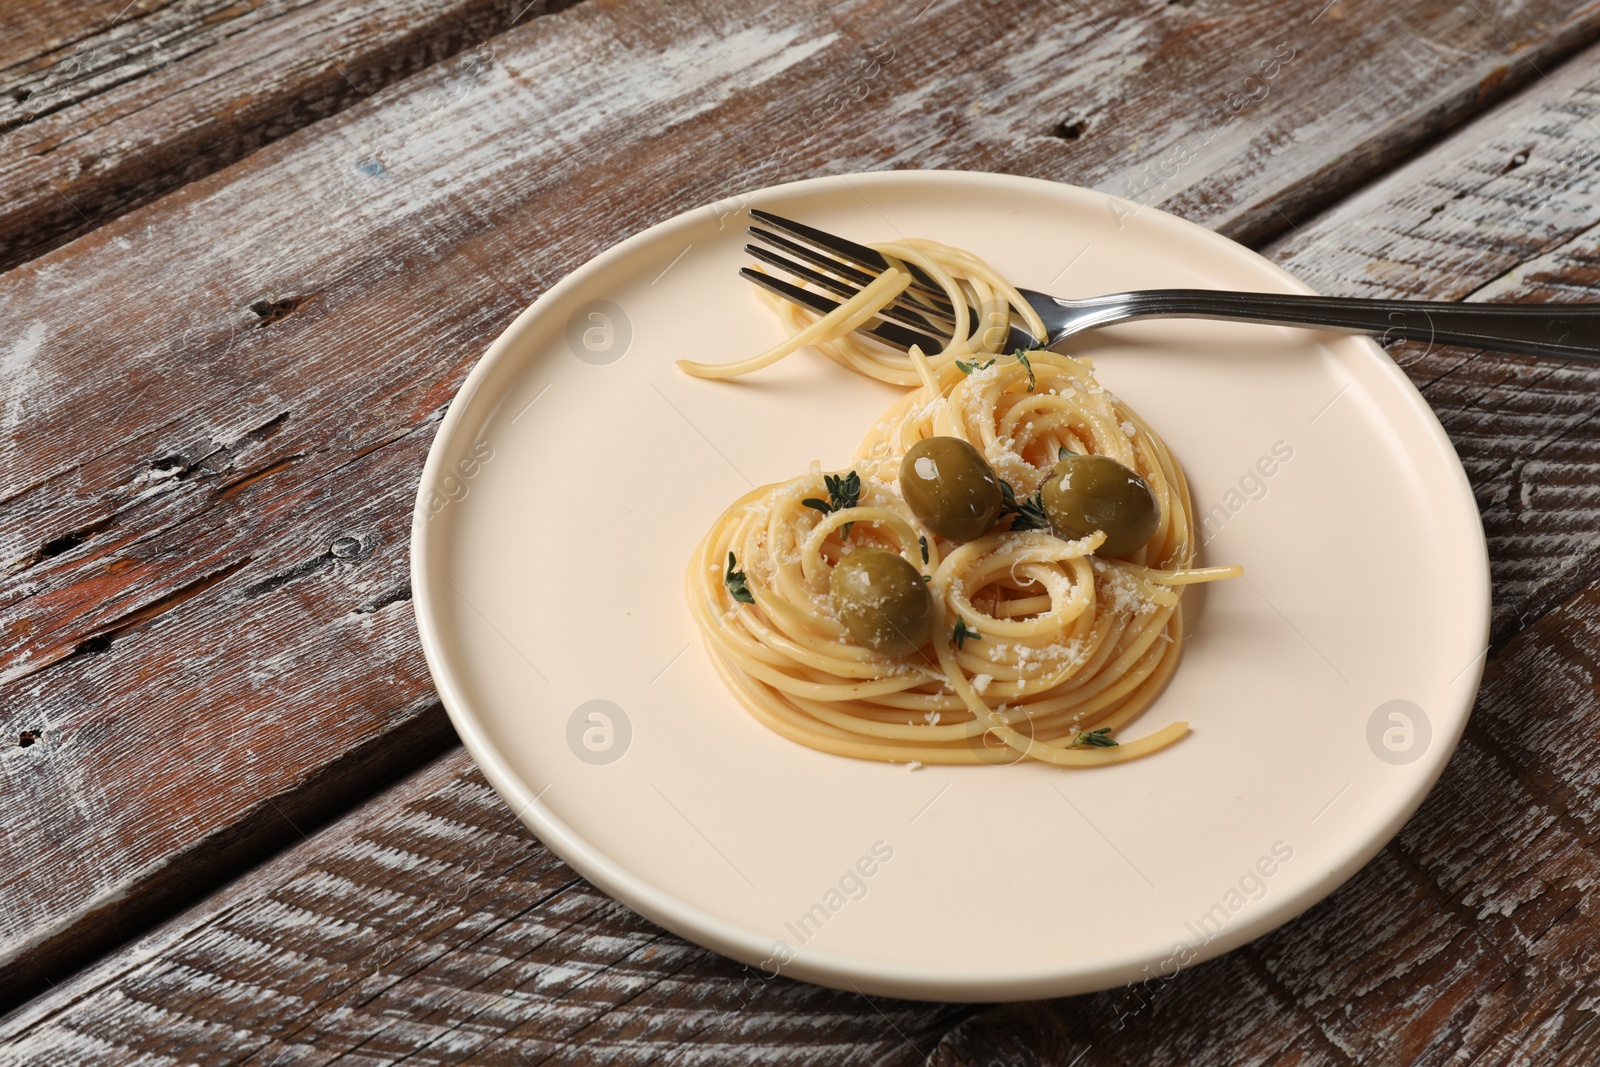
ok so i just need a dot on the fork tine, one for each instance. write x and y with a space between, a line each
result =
867 258
891 333
844 289
858 254
848 271
919 303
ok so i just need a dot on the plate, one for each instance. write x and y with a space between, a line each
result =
577 469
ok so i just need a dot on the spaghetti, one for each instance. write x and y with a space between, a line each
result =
1039 648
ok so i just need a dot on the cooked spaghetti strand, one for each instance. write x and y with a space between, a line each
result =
1040 649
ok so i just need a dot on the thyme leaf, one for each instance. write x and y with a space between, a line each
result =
738 588
1031 514
964 633
1100 738
844 491
1022 358
1028 515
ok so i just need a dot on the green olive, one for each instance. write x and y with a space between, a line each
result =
883 601
951 488
1088 493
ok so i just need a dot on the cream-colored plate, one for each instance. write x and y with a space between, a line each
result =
578 467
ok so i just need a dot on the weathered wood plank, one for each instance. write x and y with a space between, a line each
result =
176 519
429 926
105 107
1504 210
100 110
192 761
1471 939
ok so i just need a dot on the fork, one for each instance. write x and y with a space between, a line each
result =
923 316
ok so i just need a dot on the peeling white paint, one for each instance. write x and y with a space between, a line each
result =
20 375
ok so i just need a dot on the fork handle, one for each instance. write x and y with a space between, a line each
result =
1567 330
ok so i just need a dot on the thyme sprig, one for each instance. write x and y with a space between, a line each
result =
1028 515
844 491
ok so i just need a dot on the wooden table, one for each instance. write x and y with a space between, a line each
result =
252 249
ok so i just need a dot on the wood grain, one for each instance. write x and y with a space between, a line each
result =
429 927
1472 938
104 107
1505 210
215 406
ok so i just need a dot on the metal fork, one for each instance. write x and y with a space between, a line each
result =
922 315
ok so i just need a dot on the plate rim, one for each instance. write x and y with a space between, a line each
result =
839 970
